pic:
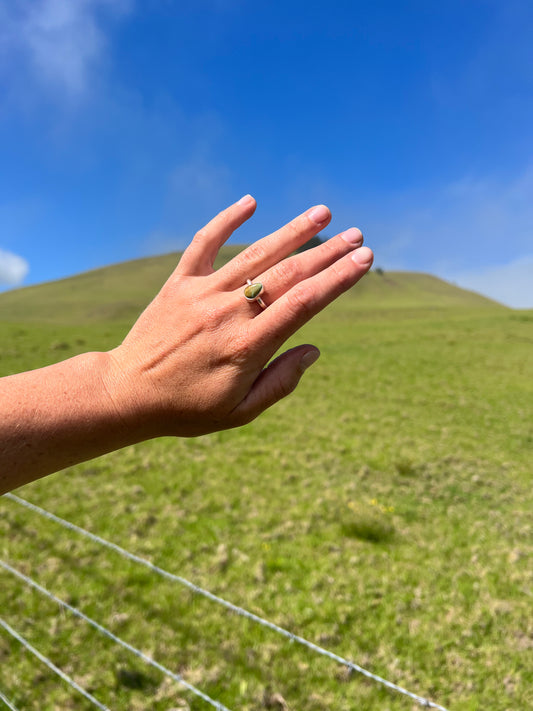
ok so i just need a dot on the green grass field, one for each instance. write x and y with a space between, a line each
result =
383 511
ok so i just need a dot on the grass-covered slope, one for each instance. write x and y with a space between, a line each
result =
121 291
383 511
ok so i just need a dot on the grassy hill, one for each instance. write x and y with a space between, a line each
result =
383 511
119 292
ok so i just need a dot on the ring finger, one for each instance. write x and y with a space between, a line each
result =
285 274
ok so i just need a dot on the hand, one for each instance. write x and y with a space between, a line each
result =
196 360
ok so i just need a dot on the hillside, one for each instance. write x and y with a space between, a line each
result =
119 292
383 511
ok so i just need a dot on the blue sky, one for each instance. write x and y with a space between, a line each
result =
125 125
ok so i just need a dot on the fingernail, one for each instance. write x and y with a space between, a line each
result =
363 256
309 358
319 214
353 236
245 200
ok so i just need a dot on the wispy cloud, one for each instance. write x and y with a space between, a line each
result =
458 226
510 284
476 231
13 269
60 42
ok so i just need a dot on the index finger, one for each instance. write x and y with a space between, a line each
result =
198 258
281 319
269 250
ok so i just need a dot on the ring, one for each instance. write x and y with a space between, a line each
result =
252 292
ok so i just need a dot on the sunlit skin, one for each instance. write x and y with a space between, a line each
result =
198 358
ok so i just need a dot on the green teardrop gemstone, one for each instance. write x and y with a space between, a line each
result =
252 291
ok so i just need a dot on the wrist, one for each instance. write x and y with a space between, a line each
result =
129 397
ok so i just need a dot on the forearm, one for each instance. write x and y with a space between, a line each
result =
57 416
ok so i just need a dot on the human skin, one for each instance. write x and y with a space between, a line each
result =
198 358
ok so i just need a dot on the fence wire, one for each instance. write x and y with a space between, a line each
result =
228 605
107 633
51 665
7 702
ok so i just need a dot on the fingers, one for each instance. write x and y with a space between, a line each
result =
198 258
275 382
266 252
284 275
305 299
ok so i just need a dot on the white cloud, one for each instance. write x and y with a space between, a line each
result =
510 284
463 224
60 41
13 269
476 231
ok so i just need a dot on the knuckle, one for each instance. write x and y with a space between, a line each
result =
227 218
285 386
242 347
253 254
244 418
201 235
295 227
329 247
344 277
300 300
288 271
329 251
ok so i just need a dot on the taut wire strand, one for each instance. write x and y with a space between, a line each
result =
7 702
107 633
229 605
51 665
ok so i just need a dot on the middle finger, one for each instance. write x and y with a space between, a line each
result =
266 252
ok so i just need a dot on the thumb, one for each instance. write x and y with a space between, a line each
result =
275 382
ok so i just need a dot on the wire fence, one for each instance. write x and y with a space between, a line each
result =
7 702
48 662
107 633
352 666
